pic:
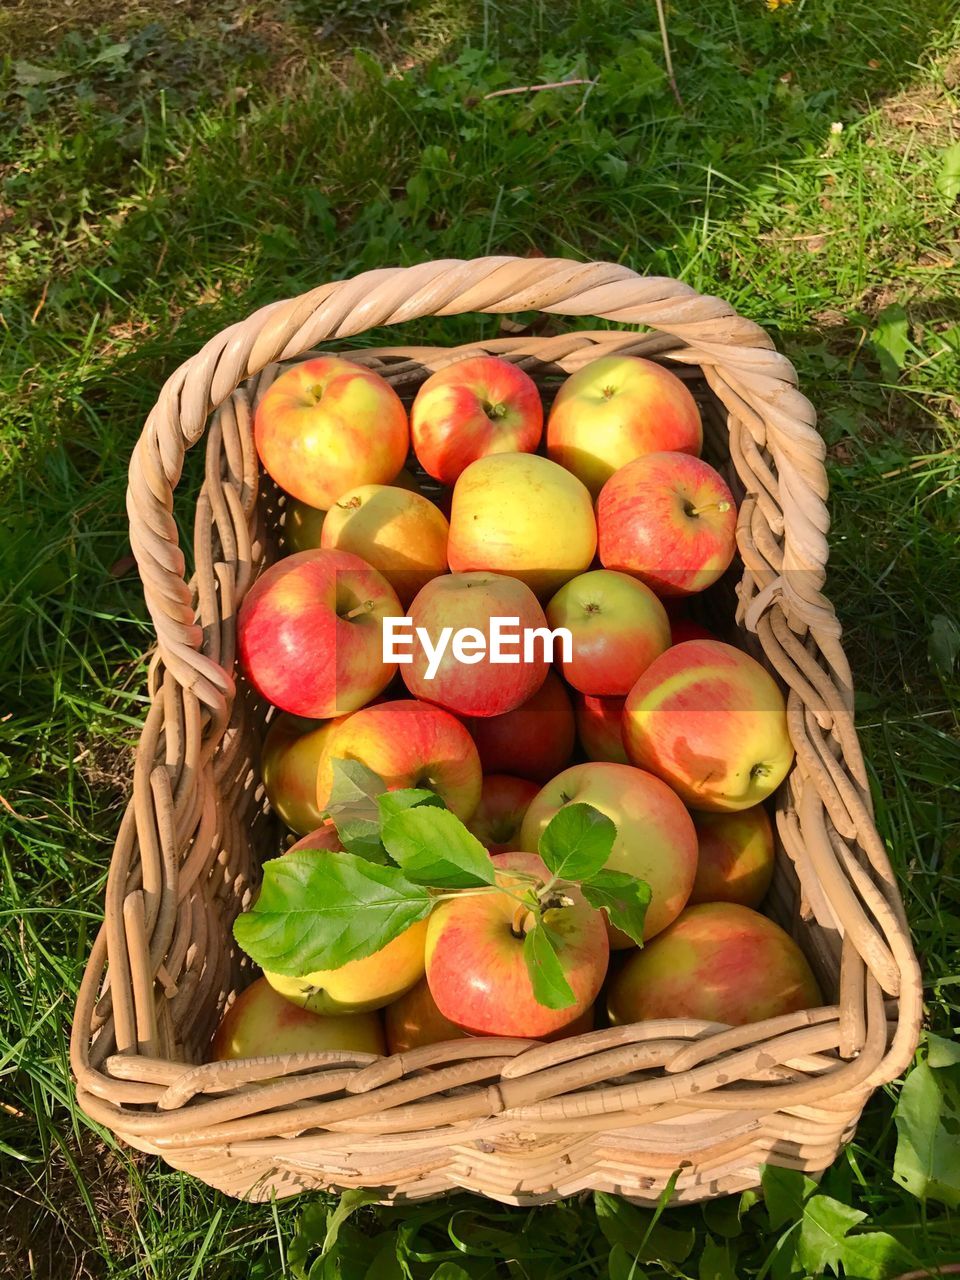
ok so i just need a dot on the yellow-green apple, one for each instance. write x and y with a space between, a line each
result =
359 985
682 629
617 626
655 840
497 819
408 744
600 727
309 633
303 524
327 425
414 1020
477 644
400 533
475 964
708 719
472 409
670 520
736 857
261 1022
521 514
535 741
616 409
289 760
719 962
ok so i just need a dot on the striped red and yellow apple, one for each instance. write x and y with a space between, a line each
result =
600 727
709 720
498 818
309 633
736 857
534 741
261 1021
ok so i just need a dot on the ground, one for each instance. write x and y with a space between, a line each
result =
167 168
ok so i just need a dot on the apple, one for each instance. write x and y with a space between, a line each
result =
618 626
472 409
535 741
520 514
309 633
682 629
325 836
736 857
475 966
719 962
260 1022
359 985
401 534
466 679
708 719
655 840
414 1021
599 727
289 761
408 744
616 409
498 817
670 520
303 524
327 425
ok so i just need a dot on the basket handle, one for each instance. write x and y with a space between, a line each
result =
738 356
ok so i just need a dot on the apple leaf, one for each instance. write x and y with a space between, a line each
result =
354 810
432 846
927 1116
392 802
550 986
623 897
577 841
322 912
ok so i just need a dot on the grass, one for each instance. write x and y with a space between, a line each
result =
167 169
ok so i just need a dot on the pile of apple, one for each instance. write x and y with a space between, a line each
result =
601 524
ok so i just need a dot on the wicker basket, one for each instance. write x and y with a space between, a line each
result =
616 1110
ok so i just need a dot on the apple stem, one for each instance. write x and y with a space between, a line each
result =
523 920
360 608
709 506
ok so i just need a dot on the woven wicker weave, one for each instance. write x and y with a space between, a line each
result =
618 1109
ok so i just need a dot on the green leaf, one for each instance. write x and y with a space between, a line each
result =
322 912
621 1265
354 809
948 179
432 846
391 802
890 339
550 986
823 1231
717 1260
111 53
875 1255
944 645
577 841
640 1232
28 73
784 1193
624 898
927 1116
349 1203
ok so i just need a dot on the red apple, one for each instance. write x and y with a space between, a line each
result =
708 719
617 625
468 410
309 633
498 817
719 962
682 629
414 1020
289 760
520 514
616 409
655 840
670 520
464 677
408 744
325 836
736 857
475 966
399 533
599 727
327 425
260 1023
535 741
